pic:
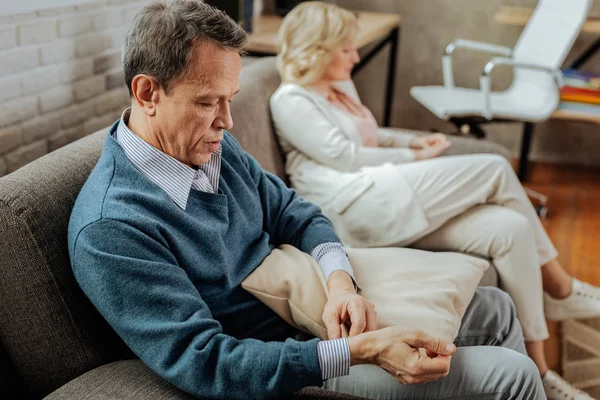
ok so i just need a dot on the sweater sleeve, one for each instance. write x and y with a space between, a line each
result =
287 217
300 123
137 285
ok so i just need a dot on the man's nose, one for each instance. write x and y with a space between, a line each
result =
224 119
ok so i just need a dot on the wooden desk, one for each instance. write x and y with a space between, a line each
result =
372 27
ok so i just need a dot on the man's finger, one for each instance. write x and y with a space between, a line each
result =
371 320
332 323
358 319
437 345
433 366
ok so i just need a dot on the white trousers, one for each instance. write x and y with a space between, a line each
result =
475 204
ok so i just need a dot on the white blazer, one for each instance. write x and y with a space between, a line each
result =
360 189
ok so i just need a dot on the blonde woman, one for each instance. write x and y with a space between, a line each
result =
368 182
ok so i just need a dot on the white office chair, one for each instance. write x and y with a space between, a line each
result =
534 93
536 58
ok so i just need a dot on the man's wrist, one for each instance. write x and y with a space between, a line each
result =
361 349
340 282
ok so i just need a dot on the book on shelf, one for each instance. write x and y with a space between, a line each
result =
581 95
580 87
581 79
580 108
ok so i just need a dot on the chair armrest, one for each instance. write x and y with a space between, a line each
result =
485 80
471 45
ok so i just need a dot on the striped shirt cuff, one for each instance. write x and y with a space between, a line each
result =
334 358
332 257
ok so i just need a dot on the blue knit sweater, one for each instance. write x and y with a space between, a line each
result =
168 280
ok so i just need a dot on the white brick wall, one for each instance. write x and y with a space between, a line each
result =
23 155
10 138
19 110
91 44
60 76
40 79
18 59
65 136
36 32
10 88
74 25
41 127
88 88
57 52
78 114
56 99
3 167
8 37
78 69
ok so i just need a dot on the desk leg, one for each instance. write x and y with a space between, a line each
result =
586 55
391 76
525 146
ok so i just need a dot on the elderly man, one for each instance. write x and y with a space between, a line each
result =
176 215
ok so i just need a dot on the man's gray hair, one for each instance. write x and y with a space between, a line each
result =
161 38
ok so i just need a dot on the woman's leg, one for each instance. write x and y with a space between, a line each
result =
505 237
446 187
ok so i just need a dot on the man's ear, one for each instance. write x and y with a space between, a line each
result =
145 93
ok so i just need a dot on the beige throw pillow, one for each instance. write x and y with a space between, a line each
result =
409 288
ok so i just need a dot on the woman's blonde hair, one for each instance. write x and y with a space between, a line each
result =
308 35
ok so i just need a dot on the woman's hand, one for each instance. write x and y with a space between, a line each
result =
429 146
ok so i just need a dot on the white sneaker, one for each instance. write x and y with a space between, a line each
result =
557 388
583 302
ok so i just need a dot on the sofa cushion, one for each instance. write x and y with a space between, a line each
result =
49 329
131 379
252 125
411 288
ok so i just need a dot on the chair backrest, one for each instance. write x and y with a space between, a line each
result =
551 31
50 331
546 41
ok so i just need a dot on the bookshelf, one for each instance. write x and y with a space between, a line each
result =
575 116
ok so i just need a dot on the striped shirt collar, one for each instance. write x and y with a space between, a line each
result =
171 175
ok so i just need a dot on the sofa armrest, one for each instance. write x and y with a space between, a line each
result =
131 379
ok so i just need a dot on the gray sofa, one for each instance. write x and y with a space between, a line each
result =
52 341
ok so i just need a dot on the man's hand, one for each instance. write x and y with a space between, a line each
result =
396 350
345 305
429 146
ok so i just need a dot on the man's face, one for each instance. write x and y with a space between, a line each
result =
190 120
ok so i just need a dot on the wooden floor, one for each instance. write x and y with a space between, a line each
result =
573 224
